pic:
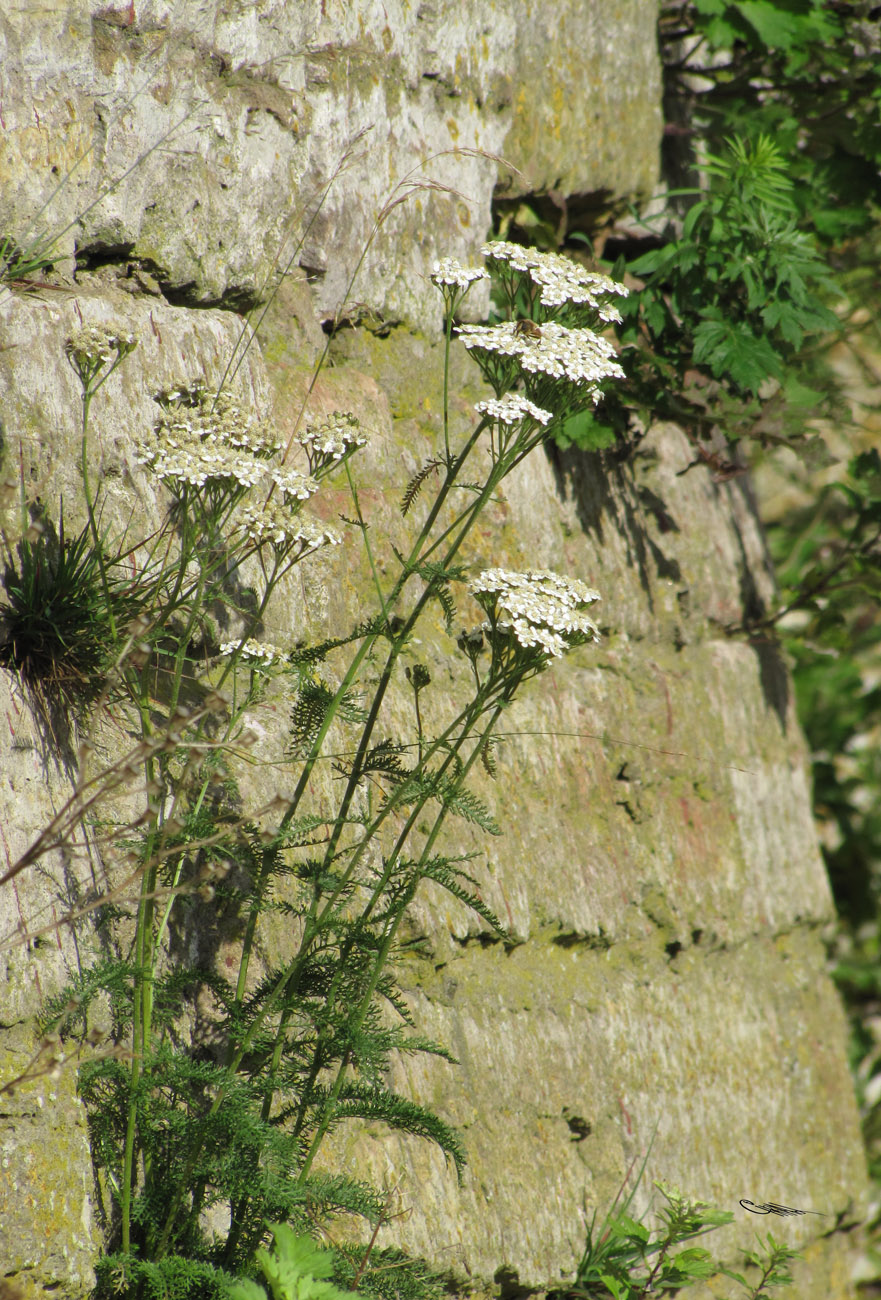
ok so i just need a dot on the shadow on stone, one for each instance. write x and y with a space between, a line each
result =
605 495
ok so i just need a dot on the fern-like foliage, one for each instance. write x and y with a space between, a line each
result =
488 757
414 487
68 1012
316 654
455 880
362 1101
448 790
389 1274
174 1277
312 704
384 758
437 577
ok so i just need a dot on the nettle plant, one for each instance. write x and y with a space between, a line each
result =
626 1259
201 1143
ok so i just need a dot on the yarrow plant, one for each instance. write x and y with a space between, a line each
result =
553 283
263 653
199 1149
553 351
327 443
534 611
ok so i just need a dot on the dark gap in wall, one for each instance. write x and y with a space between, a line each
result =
510 1286
550 219
98 255
571 939
122 259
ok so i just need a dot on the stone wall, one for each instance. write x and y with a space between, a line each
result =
659 872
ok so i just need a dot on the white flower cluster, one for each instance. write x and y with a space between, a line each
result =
291 483
541 609
94 344
449 271
217 417
512 408
578 355
182 456
261 652
271 522
560 279
332 439
201 440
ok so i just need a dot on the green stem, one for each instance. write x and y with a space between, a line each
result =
88 393
368 548
312 923
448 335
383 954
465 721
142 1006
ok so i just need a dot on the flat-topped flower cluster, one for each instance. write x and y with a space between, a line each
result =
94 347
555 347
260 653
204 438
512 409
577 355
539 609
211 441
101 343
328 442
560 280
449 272
272 522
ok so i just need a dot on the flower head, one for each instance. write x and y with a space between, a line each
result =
559 279
540 609
260 653
92 347
331 440
292 484
576 355
217 418
450 272
204 438
512 408
273 523
178 455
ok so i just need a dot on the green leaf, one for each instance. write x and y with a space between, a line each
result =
585 431
623 1226
246 1289
614 1288
295 1270
694 1262
732 351
775 27
737 1277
